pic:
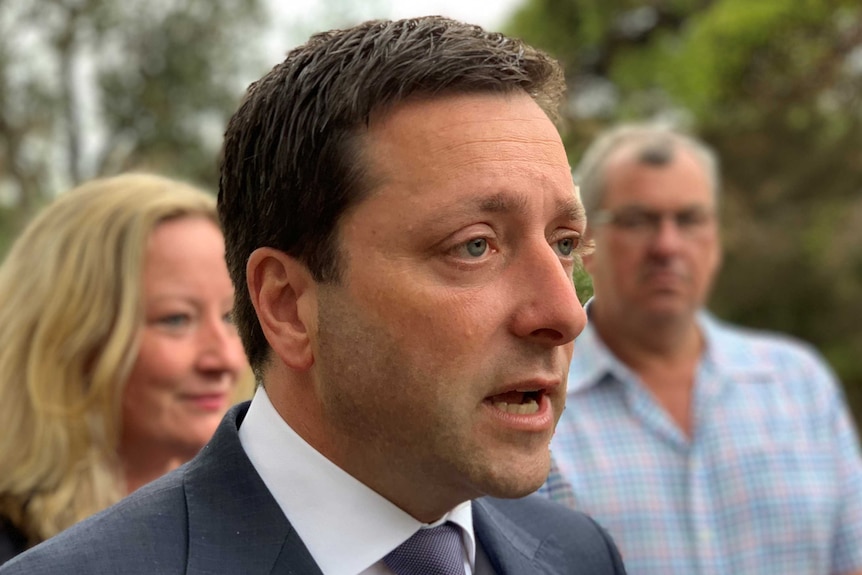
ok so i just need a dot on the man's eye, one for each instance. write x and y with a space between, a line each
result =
691 219
633 220
566 246
477 247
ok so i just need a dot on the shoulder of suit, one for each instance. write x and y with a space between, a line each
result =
541 515
144 533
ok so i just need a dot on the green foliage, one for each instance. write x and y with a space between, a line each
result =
174 101
714 49
583 284
571 33
96 87
8 229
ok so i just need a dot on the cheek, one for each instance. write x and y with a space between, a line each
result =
439 327
159 367
403 307
616 270
616 257
708 259
587 262
452 325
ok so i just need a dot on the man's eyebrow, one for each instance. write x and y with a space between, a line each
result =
502 203
573 210
570 209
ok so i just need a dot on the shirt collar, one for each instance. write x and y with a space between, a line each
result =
329 508
724 351
591 359
733 351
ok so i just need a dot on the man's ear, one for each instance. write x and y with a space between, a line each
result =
284 295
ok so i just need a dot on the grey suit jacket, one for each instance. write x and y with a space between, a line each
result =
215 515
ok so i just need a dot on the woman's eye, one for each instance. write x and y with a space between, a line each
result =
477 247
174 320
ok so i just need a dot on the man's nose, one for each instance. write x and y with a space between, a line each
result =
548 307
667 235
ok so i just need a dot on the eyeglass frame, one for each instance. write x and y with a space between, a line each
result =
642 222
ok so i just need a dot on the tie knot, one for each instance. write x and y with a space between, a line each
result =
434 551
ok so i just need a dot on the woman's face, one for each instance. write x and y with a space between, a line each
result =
190 357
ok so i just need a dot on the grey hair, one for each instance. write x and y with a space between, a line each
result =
652 144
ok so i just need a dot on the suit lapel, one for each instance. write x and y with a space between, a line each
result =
235 525
511 549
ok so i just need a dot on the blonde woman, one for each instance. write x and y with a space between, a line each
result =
117 354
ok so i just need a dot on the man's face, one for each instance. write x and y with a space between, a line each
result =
658 252
444 350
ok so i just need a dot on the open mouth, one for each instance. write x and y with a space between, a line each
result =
517 402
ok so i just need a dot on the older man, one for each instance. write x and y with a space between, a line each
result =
702 447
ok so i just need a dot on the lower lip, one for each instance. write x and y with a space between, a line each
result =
540 421
208 402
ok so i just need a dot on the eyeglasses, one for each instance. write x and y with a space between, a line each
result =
641 223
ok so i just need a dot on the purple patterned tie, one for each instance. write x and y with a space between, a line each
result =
434 551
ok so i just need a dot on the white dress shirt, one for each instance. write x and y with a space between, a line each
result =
347 527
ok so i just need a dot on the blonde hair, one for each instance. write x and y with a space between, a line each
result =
71 308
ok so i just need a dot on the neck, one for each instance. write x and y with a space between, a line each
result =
665 356
640 344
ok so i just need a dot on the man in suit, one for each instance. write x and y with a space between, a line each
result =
401 224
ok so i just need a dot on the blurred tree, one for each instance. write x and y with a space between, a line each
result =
775 87
94 87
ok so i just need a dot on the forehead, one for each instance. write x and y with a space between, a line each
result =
183 244
463 143
682 181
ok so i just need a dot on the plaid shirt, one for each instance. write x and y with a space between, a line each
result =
770 482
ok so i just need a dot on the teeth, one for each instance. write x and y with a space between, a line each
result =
528 407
